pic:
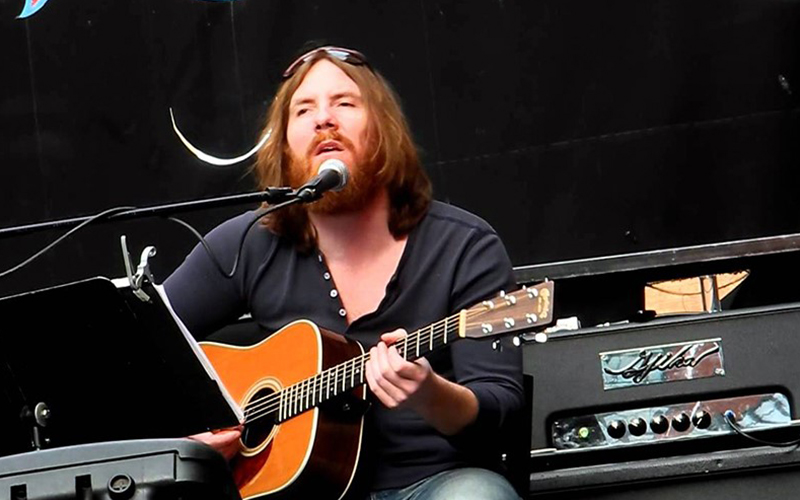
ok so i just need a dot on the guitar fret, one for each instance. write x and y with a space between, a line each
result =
288 403
431 339
418 332
336 380
298 397
307 393
300 392
288 410
294 401
447 332
353 373
328 385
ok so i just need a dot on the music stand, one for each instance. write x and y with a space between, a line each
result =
106 366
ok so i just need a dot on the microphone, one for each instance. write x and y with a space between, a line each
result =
332 175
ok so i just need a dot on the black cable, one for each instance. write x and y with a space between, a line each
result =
207 247
59 240
730 418
113 211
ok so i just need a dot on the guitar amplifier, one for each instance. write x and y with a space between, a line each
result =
641 394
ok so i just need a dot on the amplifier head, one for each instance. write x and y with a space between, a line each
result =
609 389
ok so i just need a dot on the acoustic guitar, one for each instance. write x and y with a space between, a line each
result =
303 395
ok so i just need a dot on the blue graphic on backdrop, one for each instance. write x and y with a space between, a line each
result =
31 7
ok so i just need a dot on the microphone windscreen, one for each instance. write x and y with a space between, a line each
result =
339 167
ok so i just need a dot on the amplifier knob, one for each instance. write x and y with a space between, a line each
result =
702 419
637 426
681 422
616 429
659 424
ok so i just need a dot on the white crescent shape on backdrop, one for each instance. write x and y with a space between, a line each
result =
213 160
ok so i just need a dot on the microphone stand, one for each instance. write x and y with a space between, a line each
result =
277 197
272 195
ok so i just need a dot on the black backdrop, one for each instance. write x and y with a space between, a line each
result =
577 128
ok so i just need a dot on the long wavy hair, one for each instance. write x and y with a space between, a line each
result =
389 144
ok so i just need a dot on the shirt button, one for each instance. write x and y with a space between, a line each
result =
334 293
319 257
327 276
342 313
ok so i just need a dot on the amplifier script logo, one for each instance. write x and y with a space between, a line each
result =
665 363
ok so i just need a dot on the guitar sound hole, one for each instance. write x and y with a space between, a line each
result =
260 419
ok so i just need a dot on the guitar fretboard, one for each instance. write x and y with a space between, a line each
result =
497 316
339 379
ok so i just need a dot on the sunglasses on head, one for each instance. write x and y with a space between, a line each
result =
349 56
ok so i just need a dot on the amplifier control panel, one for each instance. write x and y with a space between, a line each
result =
671 422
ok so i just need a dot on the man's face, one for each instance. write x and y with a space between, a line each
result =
328 119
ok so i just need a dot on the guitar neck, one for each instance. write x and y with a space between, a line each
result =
505 313
346 376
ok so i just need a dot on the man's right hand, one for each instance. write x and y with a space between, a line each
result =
225 441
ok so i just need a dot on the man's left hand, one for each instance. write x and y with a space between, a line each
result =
394 380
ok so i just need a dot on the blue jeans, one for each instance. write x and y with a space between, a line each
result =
458 484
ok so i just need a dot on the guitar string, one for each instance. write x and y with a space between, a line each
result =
271 403
307 389
266 405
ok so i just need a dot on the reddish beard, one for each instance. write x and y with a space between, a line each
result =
361 187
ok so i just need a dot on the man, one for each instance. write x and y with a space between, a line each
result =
364 262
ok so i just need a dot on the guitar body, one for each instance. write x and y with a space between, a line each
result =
313 454
303 394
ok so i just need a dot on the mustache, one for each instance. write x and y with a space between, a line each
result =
329 135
